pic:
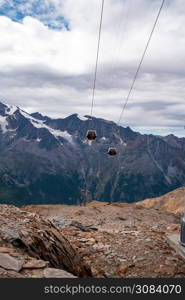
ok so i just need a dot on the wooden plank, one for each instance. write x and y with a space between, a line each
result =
173 239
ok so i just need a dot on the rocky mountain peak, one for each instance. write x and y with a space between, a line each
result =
39 116
43 158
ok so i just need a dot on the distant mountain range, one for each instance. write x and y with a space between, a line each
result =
45 160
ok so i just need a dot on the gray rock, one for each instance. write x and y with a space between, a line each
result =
85 228
10 263
25 233
6 250
83 240
148 240
88 240
122 259
59 221
171 258
9 234
10 274
110 256
2 271
57 273
150 275
35 264
139 259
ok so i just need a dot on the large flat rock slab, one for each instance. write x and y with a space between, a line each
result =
173 240
35 264
10 263
57 273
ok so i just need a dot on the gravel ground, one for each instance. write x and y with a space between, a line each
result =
119 240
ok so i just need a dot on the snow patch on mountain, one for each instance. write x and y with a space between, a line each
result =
55 132
10 109
82 118
63 134
3 124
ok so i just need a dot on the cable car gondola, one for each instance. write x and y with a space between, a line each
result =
91 135
112 151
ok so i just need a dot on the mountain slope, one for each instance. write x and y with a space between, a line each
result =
44 160
173 202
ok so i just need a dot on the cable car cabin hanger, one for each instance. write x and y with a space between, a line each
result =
112 151
91 135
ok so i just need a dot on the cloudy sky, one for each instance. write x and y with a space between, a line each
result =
48 51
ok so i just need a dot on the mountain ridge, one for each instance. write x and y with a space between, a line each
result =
172 202
45 160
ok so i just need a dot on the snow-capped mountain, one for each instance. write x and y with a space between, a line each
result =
14 122
45 160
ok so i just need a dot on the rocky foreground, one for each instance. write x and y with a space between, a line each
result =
31 246
98 240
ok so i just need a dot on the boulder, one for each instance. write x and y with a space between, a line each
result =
35 264
56 273
10 263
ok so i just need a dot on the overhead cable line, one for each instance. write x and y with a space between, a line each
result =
122 32
140 63
97 58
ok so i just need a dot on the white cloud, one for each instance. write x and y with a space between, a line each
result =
52 71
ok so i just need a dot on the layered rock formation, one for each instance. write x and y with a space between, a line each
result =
31 246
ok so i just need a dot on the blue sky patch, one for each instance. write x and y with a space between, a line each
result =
44 11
